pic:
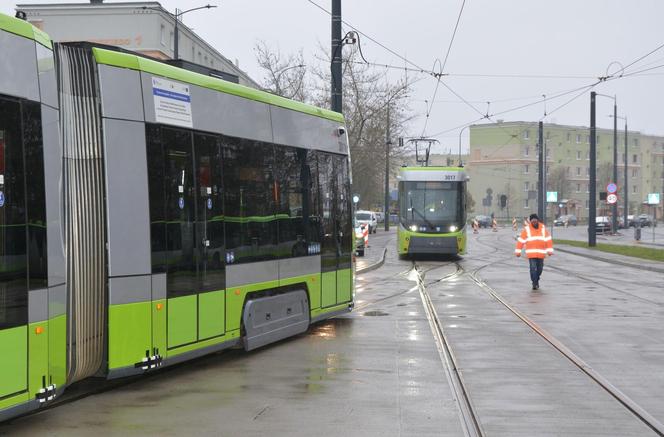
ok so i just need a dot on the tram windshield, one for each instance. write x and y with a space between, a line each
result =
432 206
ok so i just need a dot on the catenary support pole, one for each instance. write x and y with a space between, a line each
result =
626 188
592 195
541 195
336 57
388 142
614 207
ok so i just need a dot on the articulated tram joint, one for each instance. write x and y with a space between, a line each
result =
150 362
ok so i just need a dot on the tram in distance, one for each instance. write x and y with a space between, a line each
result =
150 215
432 211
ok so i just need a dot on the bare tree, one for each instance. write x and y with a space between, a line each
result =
558 180
284 75
368 94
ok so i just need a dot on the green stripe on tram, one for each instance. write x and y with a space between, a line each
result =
133 62
25 29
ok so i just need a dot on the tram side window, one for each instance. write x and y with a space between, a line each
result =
36 197
13 256
345 221
155 154
297 209
249 200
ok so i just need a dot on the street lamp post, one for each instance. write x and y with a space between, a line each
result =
625 187
176 16
277 89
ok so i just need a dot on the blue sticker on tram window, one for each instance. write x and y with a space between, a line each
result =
209 203
181 202
2 199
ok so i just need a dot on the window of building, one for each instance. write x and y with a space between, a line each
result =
569 137
578 138
634 159
578 171
587 139
526 169
526 134
634 188
526 151
587 204
635 172
171 39
163 35
597 142
636 142
587 188
587 156
587 171
525 203
578 188
578 155
526 186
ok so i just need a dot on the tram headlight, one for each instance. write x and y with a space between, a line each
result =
413 228
453 228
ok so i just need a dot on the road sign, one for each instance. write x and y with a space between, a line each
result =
653 198
552 196
611 198
612 188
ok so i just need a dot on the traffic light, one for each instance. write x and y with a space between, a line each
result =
503 201
602 195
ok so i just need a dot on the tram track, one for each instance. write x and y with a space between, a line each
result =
634 408
469 419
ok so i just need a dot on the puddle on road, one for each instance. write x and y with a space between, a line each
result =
375 313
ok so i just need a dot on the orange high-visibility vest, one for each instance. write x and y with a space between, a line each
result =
537 242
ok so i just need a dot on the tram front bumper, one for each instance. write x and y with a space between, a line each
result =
443 245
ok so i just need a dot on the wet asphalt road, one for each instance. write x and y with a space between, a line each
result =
378 371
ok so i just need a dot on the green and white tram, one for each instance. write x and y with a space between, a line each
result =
432 211
150 214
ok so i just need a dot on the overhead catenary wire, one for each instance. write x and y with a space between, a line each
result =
419 69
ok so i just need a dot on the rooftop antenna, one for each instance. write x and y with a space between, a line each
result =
423 149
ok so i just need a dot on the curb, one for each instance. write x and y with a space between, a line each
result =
373 266
611 261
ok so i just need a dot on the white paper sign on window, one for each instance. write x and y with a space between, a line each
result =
172 102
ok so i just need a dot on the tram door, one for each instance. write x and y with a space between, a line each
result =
13 255
337 230
210 229
194 237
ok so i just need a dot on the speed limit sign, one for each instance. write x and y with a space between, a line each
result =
611 198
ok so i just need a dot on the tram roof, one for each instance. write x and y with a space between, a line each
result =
24 29
140 63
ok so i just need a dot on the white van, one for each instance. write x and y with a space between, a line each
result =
367 218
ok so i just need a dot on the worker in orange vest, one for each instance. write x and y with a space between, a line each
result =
538 243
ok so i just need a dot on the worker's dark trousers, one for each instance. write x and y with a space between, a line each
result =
536 266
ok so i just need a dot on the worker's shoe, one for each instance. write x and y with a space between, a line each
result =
535 286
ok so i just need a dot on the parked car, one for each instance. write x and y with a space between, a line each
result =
483 220
380 216
602 224
565 220
368 218
644 220
359 238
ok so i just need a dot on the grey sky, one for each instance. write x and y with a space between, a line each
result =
522 37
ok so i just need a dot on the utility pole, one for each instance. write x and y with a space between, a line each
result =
541 195
336 57
176 35
626 211
614 207
388 142
592 196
